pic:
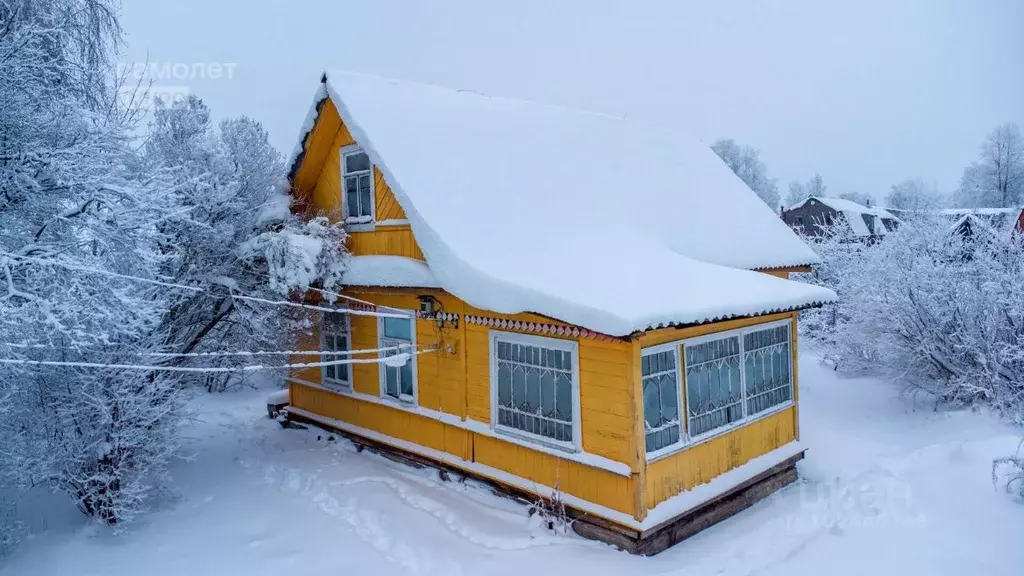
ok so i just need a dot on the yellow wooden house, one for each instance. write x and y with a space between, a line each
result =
597 312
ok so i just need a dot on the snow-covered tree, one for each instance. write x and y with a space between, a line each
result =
745 162
996 179
72 192
228 185
862 198
913 195
931 309
800 191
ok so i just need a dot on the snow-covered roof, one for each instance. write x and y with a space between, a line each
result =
979 211
392 271
584 217
855 214
844 205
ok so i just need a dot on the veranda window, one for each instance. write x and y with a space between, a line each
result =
335 337
661 398
398 382
767 368
714 388
729 378
357 172
534 388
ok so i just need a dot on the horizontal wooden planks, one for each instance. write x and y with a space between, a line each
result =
593 484
385 241
392 422
701 463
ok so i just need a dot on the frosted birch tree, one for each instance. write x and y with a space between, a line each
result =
229 217
996 179
913 195
932 309
72 192
745 162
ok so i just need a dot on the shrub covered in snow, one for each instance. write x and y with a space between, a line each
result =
231 231
97 239
929 308
73 191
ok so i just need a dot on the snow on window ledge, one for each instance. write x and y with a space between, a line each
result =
360 224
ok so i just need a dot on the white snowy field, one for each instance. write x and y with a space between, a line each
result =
887 488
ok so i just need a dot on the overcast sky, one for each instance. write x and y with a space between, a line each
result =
865 92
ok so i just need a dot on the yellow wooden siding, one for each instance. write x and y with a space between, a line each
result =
591 484
383 419
387 205
385 241
777 272
317 147
319 179
326 195
703 462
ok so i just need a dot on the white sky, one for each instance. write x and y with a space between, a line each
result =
866 92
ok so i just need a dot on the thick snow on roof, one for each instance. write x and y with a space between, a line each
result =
843 205
584 217
979 211
854 214
391 271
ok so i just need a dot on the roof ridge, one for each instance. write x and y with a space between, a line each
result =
327 75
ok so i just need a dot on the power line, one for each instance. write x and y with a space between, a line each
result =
199 290
396 360
219 354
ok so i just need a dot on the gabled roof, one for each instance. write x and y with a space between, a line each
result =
979 211
583 217
844 205
973 223
856 214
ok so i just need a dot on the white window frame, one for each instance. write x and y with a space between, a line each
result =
686 440
358 223
570 346
382 342
675 348
334 383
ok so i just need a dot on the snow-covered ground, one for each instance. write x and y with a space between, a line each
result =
887 488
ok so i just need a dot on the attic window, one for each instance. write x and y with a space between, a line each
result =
357 178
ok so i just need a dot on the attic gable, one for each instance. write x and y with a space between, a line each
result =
520 206
316 168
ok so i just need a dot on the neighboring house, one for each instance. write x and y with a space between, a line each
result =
999 220
992 225
815 214
587 321
971 226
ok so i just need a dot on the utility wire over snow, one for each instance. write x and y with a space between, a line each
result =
232 353
393 361
199 290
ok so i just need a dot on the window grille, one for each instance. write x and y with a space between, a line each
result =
661 399
535 380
